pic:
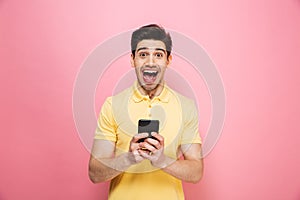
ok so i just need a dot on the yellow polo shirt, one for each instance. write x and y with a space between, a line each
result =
118 122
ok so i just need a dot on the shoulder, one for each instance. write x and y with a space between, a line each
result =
119 96
184 101
116 104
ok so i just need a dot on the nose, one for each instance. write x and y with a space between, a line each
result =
151 61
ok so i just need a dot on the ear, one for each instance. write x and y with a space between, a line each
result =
169 60
132 60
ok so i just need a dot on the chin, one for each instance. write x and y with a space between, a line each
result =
149 88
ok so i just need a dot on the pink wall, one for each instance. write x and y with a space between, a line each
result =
255 45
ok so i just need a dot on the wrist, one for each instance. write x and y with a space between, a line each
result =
162 163
122 162
127 160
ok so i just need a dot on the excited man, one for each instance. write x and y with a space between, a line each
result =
142 167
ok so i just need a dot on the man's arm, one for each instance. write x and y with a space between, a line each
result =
190 169
104 165
102 161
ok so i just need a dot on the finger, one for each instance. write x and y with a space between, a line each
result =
147 146
154 143
139 136
145 154
135 153
159 137
133 146
137 156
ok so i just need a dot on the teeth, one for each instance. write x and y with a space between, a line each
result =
149 71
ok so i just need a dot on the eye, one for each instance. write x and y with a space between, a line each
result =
159 55
143 54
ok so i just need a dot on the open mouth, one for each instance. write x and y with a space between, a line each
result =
149 76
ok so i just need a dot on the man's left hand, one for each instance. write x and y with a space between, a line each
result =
153 150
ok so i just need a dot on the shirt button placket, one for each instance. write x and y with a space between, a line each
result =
149 110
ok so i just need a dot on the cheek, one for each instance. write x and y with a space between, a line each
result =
137 69
138 63
162 62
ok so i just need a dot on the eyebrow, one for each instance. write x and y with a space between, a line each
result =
157 49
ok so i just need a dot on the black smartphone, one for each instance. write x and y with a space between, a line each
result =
148 126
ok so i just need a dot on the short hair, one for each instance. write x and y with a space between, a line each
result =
154 32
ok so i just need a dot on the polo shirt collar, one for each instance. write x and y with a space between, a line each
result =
138 97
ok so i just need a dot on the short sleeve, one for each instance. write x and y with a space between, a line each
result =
106 126
190 132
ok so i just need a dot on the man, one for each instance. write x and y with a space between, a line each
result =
152 168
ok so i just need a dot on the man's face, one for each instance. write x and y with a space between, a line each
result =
150 63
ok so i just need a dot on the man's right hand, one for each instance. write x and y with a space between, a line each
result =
134 155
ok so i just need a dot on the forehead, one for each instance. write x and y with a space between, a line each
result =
151 44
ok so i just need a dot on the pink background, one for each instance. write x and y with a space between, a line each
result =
254 44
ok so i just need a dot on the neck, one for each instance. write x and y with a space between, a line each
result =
154 92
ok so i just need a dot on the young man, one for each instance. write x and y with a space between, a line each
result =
152 168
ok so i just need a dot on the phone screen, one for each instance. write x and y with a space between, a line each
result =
148 126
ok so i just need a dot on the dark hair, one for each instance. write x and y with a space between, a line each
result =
151 31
